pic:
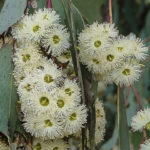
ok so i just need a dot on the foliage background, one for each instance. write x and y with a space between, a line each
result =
128 15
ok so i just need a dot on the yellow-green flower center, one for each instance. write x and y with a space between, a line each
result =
56 39
48 78
148 126
56 148
98 113
38 146
73 117
45 17
36 28
126 72
28 87
95 61
68 91
120 49
44 101
105 29
21 78
60 103
48 123
110 58
67 55
97 43
26 57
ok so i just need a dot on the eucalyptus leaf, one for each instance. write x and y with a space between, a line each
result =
11 13
123 124
8 95
90 9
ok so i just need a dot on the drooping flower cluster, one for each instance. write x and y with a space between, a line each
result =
50 100
99 125
3 142
142 121
109 56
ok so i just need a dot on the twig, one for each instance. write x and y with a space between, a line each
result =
137 97
118 103
110 11
79 73
49 4
127 96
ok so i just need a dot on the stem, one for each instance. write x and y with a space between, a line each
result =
79 73
118 103
110 11
49 4
127 96
137 97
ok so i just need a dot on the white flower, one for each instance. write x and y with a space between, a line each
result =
3 142
75 119
45 126
33 28
59 144
18 31
63 102
126 74
27 57
72 89
109 60
19 74
39 144
146 145
47 16
141 120
48 76
26 86
65 57
100 121
137 48
38 102
120 46
95 38
93 63
56 39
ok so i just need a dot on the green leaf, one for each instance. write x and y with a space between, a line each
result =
11 13
1 4
90 9
41 4
147 24
8 95
123 125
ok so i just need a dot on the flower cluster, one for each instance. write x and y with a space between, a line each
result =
3 142
50 99
109 56
142 121
99 125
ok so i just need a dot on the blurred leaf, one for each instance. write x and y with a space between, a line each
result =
11 13
136 138
148 23
90 9
59 8
8 94
1 4
113 140
129 15
41 4
123 125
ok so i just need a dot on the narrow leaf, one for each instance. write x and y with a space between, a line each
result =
123 125
8 94
11 13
